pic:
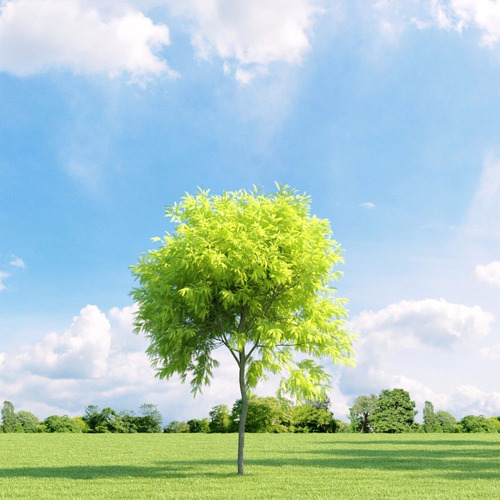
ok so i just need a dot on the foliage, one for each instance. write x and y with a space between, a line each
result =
394 412
108 420
309 418
177 427
196 425
264 415
219 419
250 272
430 420
446 421
28 421
56 423
361 411
472 423
496 422
8 417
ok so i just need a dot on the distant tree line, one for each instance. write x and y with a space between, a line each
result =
392 411
95 420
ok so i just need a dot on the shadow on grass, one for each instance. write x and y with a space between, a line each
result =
410 442
465 463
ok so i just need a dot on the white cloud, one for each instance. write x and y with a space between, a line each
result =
251 34
78 353
462 400
411 323
411 338
368 205
18 262
98 360
489 273
483 15
37 35
3 276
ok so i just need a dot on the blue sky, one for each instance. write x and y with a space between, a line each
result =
386 112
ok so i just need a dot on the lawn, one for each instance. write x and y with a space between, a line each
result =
152 466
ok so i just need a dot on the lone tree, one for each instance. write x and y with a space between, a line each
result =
250 272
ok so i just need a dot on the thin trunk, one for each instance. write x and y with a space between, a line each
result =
243 415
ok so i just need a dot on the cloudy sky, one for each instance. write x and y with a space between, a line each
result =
386 112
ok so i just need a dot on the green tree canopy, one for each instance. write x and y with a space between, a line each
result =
250 272
28 420
430 421
361 411
394 412
447 421
8 417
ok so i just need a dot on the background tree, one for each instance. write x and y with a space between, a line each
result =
177 427
150 421
311 418
219 419
28 421
394 412
197 425
56 423
446 421
264 415
430 421
8 417
361 411
251 272
473 423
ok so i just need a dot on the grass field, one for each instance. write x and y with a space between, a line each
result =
58 466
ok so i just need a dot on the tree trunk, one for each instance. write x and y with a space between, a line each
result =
243 415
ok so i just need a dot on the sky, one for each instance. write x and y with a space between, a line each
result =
387 113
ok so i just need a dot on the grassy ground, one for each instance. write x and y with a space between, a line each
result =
420 466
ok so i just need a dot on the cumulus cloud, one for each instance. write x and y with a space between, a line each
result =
18 262
98 360
79 352
3 276
250 34
397 341
415 322
489 273
37 35
483 15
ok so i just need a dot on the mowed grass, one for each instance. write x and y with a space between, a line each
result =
60 466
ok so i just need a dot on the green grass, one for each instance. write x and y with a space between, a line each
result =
152 466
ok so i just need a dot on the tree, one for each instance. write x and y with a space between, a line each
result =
473 423
394 412
447 421
56 423
430 421
264 415
175 426
8 417
28 421
250 272
219 419
197 426
361 411
310 418
150 420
